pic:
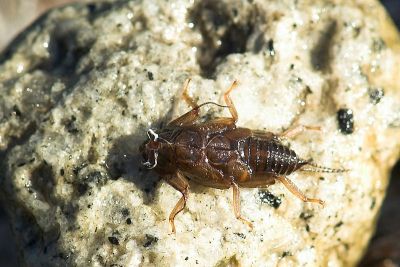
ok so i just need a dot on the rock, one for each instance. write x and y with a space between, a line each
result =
384 248
82 85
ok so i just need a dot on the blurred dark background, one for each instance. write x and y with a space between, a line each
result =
384 250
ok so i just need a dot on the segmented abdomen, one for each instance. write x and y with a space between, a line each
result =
269 156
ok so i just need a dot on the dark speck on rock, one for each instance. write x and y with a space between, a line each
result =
70 125
125 212
345 119
113 240
150 75
375 95
241 235
271 48
16 111
150 240
270 199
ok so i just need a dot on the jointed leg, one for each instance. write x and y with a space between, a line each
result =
236 205
292 132
229 102
186 119
189 100
191 116
180 183
296 191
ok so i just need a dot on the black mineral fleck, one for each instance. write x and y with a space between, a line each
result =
375 95
345 120
150 75
271 48
113 240
270 199
150 240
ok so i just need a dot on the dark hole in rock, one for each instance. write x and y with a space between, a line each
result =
321 53
222 34
43 181
66 47
70 125
81 188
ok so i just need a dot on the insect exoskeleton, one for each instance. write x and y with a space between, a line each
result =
218 154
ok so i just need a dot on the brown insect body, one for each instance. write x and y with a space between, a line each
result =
221 155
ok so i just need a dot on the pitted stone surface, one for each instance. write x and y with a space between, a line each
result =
83 84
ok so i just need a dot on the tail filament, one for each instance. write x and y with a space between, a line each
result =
318 168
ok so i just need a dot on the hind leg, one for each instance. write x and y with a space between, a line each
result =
293 131
296 191
237 173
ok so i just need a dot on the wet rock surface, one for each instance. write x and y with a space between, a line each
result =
82 85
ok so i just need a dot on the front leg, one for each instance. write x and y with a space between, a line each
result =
191 116
180 183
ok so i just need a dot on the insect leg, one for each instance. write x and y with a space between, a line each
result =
191 116
296 191
189 100
187 118
229 102
236 204
292 132
180 183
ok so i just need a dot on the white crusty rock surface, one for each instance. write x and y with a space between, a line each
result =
81 86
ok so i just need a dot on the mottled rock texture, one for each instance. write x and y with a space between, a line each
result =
82 85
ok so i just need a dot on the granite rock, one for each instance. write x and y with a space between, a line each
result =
82 85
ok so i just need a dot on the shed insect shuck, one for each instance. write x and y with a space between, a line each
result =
218 154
